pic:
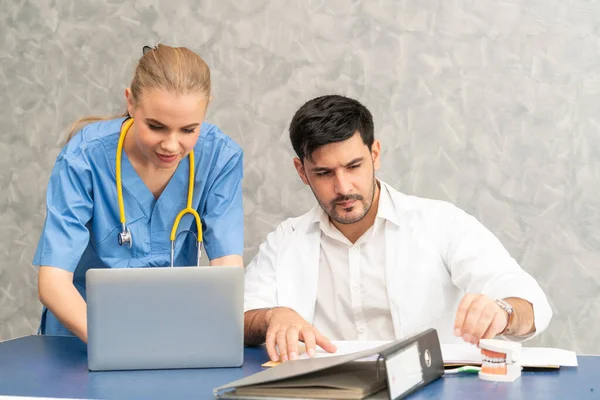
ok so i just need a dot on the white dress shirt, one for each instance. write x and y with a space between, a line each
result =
352 301
432 253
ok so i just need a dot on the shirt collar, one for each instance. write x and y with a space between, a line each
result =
387 209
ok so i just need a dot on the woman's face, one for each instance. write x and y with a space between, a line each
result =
167 125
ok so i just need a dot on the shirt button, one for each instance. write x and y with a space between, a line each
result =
361 329
356 288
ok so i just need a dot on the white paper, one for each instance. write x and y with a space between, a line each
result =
465 354
347 347
530 356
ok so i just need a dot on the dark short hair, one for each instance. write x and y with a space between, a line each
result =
329 119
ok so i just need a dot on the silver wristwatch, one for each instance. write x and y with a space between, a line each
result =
509 310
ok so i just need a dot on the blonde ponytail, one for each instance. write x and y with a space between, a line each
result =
81 122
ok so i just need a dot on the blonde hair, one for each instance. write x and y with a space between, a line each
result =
175 69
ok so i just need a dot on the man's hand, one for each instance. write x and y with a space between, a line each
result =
479 317
286 328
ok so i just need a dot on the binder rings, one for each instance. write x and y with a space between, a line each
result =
393 371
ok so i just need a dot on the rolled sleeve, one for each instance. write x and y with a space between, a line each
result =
479 263
223 219
69 207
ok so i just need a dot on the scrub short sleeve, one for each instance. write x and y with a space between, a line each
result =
223 219
69 207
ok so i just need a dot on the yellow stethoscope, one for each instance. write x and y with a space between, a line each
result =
125 235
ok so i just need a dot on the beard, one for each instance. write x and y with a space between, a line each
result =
355 212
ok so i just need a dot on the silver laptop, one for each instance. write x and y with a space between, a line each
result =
163 318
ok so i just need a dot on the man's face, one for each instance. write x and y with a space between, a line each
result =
342 177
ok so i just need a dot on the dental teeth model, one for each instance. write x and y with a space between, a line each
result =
500 360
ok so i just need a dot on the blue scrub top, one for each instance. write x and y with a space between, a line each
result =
82 215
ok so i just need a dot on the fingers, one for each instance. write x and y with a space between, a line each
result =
286 328
484 322
308 336
292 343
471 322
282 344
496 326
461 313
478 317
489 333
286 341
324 342
271 349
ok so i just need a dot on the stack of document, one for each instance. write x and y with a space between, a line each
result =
531 357
465 354
360 371
349 381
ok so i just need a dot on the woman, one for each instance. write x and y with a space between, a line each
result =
163 131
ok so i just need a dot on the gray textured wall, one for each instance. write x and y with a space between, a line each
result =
492 105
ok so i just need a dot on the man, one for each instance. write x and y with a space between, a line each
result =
370 263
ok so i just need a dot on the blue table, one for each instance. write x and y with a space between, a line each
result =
51 366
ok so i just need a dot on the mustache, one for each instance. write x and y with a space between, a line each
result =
346 197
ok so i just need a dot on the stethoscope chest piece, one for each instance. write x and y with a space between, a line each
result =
125 237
